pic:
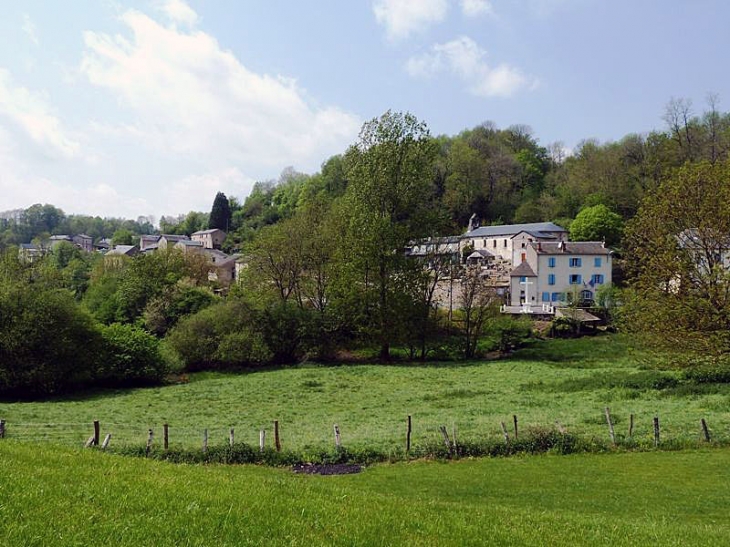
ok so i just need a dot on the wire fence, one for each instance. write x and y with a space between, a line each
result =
321 436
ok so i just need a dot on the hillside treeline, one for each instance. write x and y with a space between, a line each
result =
324 267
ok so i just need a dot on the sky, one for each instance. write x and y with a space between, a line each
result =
128 108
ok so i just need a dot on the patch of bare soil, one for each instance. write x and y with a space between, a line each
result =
327 469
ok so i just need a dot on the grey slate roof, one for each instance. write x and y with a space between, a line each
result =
210 231
523 270
122 250
572 248
513 229
480 253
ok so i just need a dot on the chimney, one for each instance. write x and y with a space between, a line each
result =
561 245
539 247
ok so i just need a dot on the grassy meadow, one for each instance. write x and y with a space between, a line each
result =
570 381
69 496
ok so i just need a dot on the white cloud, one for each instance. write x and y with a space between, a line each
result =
475 8
178 11
403 17
193 99
464 58
30 29
231 181
22 186
32 114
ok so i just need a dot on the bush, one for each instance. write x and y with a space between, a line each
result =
48 344
131 356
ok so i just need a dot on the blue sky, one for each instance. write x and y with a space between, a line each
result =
129 108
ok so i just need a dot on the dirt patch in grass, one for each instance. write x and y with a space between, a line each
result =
327 469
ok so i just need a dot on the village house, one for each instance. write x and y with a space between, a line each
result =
211 239
555 273
508 242
83 242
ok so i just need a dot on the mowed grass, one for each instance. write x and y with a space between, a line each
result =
567 381
66 496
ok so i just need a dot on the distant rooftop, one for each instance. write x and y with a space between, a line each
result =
514 229
572 248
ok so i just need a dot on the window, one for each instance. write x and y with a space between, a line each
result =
597 279
546 297
575 262
523 244
523 279
551 262
556 297
505 244
494 243
551 279
574 279
597 262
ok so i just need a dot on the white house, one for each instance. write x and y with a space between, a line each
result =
510 241
553 273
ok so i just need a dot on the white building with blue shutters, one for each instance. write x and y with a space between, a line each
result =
552 274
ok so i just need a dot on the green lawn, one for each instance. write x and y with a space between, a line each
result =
66 496
568 381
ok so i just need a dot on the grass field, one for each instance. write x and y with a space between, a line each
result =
66 496
569 381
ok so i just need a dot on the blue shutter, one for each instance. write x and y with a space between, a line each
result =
551 262
551 279
597 262
546 297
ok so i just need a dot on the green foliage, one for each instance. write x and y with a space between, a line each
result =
123 236
676 253
131 356
223 335
220 214
47 343
597 223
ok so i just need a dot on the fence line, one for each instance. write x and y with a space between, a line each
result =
410 431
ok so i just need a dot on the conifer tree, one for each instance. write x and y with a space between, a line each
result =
220 214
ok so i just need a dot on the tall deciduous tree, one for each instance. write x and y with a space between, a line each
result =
220 214
389 173
678 261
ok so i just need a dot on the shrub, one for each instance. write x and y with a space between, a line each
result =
48 344
131 356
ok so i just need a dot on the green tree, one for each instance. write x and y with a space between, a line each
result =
678 259
220 214
597 223
388 198
123 236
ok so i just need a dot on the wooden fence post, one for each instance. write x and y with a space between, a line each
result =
89 442
504 432
610 427
631 426
149 443
277 440
338 440
205 441
230 437
97 428
2 429
514 419
656 431
166 436
705 430
262 440
408 435
106 441
445 435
